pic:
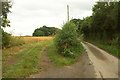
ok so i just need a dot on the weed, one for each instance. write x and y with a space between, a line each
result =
58 59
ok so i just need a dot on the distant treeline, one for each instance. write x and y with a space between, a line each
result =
45 31
103 25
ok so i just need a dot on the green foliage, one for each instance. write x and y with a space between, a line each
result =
103 25
110 48
66 41
58 59
118 23
119 42
8 40
5 10
16 41
77 22
5 39
104 20
38 33
45 31
68 53
85 27
27 62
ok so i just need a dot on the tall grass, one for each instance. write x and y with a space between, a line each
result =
110 48
26 62
60 60
8 40
16 41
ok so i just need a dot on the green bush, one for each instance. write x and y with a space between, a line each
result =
116 40
8 40
5 39
66 40
119 42
68 53
16 41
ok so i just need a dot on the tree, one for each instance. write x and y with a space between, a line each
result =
85 27
38 33
45 31
77 22
118 23
4 23
5 10
103 24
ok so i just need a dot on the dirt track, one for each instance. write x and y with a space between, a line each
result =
81 69
93 63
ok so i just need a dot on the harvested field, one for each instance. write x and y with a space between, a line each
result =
37 39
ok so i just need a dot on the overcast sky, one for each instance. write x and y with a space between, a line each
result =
27 15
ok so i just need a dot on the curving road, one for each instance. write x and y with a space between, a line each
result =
105 65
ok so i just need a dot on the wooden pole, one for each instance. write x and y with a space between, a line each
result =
68 12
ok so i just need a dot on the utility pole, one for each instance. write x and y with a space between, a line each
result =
68 12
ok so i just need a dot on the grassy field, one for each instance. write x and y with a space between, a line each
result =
29 42
21 61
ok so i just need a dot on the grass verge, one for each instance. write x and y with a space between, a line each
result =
110 48
58 59
26 64
14 50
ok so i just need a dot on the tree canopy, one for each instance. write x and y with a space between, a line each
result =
45 31
103 24
77 22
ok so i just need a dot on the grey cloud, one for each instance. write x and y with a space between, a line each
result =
36 13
